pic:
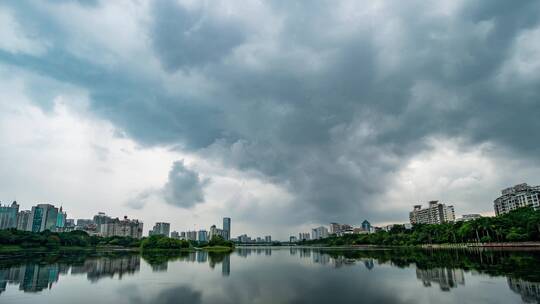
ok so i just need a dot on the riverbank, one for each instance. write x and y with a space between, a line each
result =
6 249
223 249
508 245
533 245
16 248
191 249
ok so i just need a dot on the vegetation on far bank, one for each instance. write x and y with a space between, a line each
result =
521 225
12 240
26 240
160 242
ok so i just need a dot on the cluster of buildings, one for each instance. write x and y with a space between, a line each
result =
106 226
162 228
436 213
336 229
40 218
245 239
43 217
48 217
206 235
512 198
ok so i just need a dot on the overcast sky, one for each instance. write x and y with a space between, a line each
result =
277 114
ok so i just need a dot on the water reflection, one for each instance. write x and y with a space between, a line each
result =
34 274
160 261
107 267
443 270
30 278
446 278
529 291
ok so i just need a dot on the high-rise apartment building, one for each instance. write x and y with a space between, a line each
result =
100 219
304 236
175 235
340 229
191 235
268 239
243 238
43 217
23 218
436 213
160 228
366 226
8 215
214 231
124 227
227 228
61 220
319 233
521 195
83 223
202 236
335 228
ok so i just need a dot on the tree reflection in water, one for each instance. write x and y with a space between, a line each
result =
444 269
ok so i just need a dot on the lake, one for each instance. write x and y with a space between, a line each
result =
274 275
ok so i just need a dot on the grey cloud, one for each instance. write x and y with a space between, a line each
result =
139 201
184 188
183 38
335 106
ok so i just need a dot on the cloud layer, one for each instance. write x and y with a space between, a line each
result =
328 101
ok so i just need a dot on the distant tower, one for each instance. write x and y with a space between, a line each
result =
366 226
227 227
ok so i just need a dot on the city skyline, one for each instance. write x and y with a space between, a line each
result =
11 216
179 111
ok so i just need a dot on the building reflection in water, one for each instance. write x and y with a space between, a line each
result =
31 277
100 268
243 252
202 256
446 278
529 291
369 264
226 266
161 267
35 277
305 253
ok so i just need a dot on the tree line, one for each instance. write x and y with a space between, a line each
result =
48 239
78 238
520 225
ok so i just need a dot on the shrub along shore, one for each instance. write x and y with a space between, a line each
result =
12 240
518 228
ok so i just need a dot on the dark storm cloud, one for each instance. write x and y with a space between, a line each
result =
333 104
184 187
184 38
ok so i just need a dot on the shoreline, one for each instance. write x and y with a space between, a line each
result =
516 245
222 249
64 249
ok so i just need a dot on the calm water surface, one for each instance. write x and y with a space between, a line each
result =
284 275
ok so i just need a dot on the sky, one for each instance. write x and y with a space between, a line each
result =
281 115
